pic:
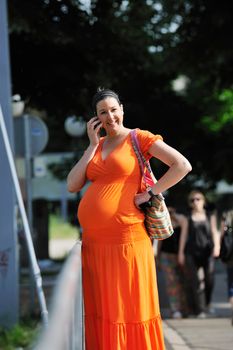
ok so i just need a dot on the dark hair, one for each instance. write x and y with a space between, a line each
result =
197 191
101 94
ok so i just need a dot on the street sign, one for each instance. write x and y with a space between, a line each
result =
37 135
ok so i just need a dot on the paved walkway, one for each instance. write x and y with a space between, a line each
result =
215 333
211 334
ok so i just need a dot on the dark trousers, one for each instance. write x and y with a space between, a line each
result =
199 283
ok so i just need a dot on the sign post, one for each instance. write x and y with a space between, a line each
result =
9 274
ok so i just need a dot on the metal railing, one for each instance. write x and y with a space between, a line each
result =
34 265
65 330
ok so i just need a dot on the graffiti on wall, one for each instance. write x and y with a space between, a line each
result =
4 261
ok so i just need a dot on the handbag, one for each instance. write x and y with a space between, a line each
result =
157 218
226 249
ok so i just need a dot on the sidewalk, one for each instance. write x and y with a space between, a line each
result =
214 333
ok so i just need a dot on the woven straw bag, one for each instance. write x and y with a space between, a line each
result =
157 218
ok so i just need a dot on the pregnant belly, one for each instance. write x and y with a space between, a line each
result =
103 206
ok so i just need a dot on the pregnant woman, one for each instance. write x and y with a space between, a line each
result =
119 279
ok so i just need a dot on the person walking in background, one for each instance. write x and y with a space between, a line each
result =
119 278
171 259
202 247
227 230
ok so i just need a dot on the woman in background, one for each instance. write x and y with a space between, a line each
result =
171 259
203 245
227 226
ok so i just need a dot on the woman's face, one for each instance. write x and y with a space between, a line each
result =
110 113
197 200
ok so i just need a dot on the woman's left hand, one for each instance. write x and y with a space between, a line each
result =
216 250
140 198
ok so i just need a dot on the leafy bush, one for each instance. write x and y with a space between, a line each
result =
20 336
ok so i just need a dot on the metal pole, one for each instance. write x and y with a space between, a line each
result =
35 267
28 177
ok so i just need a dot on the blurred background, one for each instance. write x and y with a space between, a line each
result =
171 63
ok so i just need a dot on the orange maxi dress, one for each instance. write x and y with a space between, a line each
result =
119 278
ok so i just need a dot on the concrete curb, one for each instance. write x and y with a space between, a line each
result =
173 340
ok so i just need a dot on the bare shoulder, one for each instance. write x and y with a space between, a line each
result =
181 218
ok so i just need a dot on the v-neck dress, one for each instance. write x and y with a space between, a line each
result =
119 278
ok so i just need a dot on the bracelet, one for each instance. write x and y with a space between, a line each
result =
149 190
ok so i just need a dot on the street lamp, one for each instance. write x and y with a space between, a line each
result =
180 84
17 105
75 126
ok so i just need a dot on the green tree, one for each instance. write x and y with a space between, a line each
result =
200 49
61 51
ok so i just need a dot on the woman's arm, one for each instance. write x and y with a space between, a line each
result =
179 166
77 176
183 239
222 229
215 235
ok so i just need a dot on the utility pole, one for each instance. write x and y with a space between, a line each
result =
9 274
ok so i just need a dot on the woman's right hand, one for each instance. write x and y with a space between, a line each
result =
93 130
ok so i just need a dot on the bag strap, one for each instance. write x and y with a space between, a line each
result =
144 164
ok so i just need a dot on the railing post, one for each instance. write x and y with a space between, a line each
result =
65 330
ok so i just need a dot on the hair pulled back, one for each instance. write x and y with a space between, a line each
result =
102 94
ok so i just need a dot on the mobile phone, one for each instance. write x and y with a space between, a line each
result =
97 123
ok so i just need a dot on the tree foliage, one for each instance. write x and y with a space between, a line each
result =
62 50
